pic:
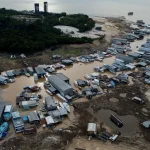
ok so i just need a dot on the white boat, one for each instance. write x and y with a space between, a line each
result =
35 77
66 106
49 92
58 107
61 105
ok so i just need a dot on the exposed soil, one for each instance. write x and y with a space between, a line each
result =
75 136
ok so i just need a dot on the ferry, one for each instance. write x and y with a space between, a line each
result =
3 130
7 112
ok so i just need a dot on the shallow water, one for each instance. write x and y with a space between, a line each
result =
130 123
90 7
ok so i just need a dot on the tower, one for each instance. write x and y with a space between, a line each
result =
45 7
36 5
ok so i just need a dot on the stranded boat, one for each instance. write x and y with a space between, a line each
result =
116 121
35 77
3 130
7 112
66 106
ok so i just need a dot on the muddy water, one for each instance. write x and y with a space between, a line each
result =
8 93
130 123
78 70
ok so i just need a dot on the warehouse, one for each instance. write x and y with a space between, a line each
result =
63 87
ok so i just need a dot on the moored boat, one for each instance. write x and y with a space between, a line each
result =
7 112
66 106
3 130
35 77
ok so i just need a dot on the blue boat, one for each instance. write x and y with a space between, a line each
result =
3 130
7 112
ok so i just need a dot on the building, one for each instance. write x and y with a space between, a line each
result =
17 122
45 7
63 87
36 7
50 104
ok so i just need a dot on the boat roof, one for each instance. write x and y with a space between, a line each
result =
8 108
49 120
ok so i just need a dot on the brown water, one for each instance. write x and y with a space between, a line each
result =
130 123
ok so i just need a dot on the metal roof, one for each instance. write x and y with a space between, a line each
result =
58 83
10 73
49 120
15 114
54 113
62 76
40 70
126 59
63 111
2 78
49 101
91 127
32 116
8 108
30 69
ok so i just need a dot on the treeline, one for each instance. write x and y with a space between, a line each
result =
18 36
80 21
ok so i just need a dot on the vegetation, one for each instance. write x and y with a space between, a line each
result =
18 36
80 21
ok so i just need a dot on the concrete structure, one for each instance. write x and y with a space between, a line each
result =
36 7
63 87
45 7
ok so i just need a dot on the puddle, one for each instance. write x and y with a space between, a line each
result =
114 100
130 123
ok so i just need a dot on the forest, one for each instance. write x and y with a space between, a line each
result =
17 36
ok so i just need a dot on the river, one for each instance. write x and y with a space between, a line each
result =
91 7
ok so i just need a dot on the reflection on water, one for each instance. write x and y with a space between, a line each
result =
90 7
130 123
